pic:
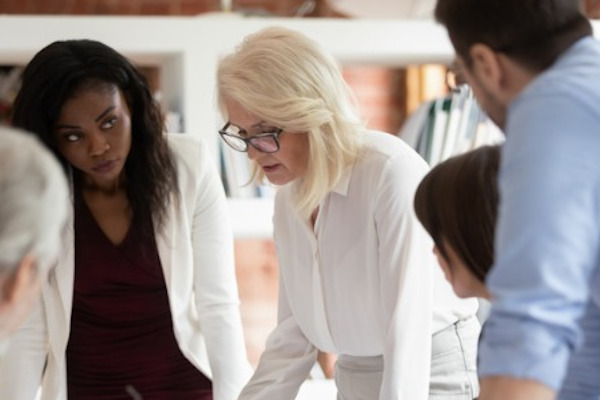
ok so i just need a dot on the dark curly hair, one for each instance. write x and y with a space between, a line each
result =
63 68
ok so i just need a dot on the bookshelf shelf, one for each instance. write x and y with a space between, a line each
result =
187 50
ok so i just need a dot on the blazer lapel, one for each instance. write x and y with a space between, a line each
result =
58 292
165 243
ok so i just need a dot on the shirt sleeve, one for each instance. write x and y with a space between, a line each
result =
286 361
215 285
546 242
406 279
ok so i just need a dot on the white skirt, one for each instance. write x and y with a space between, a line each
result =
453 367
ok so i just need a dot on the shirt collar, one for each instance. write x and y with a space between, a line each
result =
341 187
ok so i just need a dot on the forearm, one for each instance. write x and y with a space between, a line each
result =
284 365
502 388
327 363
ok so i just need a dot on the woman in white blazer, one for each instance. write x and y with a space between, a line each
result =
143 300
357 274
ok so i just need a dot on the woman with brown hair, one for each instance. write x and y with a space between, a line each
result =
457 203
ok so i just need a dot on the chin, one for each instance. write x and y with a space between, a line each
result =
464 293
279 181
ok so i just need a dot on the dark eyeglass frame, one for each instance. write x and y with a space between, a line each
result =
249 140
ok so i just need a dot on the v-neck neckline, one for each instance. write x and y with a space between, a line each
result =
86 209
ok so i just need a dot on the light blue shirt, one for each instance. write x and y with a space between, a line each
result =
546 275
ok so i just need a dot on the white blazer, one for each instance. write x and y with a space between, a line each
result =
196 253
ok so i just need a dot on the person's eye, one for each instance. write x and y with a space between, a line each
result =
72 136
109 123
266 131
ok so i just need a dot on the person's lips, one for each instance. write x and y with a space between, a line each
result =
270 168
105 166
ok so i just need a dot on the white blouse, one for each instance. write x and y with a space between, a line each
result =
363 282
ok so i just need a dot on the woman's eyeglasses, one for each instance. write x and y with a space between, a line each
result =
266 142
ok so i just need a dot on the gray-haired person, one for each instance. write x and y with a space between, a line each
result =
33 210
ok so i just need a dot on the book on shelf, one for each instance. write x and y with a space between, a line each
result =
441 110
452 125
453 129
468 117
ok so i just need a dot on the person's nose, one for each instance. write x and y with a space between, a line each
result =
253 153
98 144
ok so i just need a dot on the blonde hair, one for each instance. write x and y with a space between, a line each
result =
288 80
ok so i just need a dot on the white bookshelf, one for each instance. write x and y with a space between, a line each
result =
187 50
148 41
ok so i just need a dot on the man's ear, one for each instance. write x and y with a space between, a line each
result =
487 67
19 283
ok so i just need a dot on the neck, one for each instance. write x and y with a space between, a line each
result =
518 78
108 188
484 293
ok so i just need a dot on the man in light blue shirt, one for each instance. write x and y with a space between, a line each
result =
535 69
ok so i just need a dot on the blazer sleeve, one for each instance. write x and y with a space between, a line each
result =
215 285
21 367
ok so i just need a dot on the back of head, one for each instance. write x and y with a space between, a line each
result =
34 200
533 32
457 203
287 79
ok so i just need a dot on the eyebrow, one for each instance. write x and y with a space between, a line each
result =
98 118
256 125
103 114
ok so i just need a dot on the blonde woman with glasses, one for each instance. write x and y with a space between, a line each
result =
357 274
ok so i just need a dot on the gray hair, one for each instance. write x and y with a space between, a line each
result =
287 79
34 200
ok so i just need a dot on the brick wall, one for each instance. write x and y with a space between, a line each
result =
145 7
592 8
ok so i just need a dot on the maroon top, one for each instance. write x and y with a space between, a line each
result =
122 342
